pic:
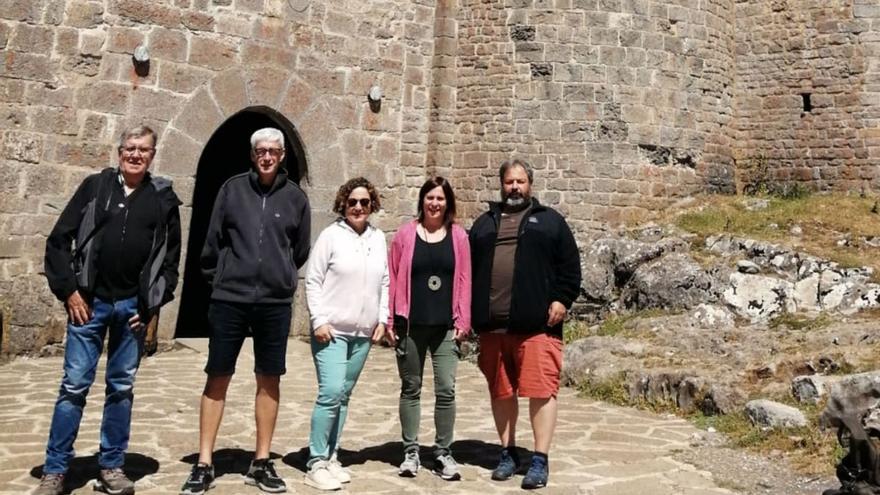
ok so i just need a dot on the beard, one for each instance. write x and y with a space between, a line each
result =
514 199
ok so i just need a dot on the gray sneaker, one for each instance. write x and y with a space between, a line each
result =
50 484
114 481
446 468
410 465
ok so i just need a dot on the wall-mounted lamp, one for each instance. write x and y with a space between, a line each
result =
375 98
141 60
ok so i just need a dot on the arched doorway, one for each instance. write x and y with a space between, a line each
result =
226 154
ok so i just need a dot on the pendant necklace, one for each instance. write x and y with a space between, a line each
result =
434 281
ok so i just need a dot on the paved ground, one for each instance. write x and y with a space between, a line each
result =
598 449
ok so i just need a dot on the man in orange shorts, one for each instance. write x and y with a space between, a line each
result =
526 274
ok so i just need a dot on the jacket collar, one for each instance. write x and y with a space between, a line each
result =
280 180
346 227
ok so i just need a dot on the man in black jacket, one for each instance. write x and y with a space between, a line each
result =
526 274
257 240
112 259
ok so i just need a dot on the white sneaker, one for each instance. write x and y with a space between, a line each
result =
338 472
320 477
410 465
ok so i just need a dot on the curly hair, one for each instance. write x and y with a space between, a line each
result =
346 189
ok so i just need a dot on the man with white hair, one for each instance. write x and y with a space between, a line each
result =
257 239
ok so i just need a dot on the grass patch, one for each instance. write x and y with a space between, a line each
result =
798 321
614 325
612 390
823 218
808 449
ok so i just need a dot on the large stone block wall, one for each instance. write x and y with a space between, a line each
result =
620 105
829 49
68 87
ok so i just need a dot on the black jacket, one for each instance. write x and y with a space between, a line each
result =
256 240
73 246
547 268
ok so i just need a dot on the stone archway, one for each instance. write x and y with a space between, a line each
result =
227 153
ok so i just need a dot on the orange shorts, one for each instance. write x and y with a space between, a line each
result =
521 365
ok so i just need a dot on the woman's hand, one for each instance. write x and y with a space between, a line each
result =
460 334
390 337
324 333
378 333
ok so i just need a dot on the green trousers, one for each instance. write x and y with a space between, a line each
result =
411 353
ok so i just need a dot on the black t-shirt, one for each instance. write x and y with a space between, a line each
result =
432 307
126 241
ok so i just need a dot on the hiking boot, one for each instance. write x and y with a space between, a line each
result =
410 465
340 473
507 466
446 468
200 480
51 484
262 475
320 477
114 481
537 475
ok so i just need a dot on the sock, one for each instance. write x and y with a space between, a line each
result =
511 451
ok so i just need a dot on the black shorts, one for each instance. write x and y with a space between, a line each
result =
231 323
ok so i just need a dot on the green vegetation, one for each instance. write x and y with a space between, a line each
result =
799 321
613 390
824 220
613 325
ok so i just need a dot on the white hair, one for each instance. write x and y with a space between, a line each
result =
267 134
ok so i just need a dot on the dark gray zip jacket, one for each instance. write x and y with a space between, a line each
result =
72 247
256 240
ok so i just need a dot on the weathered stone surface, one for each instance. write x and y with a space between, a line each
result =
812 388
597 271
674 281
852 395
774 415
757 297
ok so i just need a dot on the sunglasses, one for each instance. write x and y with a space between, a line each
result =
365 202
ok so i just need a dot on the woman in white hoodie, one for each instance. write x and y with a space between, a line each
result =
347 293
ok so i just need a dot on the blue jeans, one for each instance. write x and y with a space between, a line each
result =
338 364
81 354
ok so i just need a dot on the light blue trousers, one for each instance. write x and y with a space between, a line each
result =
338 364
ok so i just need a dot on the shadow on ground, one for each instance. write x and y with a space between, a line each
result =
83 469
469 452
228 461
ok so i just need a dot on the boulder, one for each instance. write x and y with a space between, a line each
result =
746 266
675 281
853 395
597 270
709 317
811 388
721 399
598 359
769 414
630 254
758 298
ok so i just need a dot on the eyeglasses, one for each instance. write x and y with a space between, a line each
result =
131 150
365 202
268 151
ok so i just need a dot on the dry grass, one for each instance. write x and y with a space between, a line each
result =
824 219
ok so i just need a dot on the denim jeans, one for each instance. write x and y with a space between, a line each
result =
338 364
412 350
81 354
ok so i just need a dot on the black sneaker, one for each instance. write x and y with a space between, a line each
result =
200 480
262 475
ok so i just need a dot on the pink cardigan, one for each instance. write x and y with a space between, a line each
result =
400 273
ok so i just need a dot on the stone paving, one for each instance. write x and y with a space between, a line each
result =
598 449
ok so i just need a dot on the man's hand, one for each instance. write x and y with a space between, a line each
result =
378 333
324 333
77 309
135 323
555 314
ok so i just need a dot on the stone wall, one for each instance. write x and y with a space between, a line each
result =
620 105
827 49
68 87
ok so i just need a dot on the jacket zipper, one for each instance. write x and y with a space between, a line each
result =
260 242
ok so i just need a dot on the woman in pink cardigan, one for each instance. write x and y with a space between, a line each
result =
429 267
